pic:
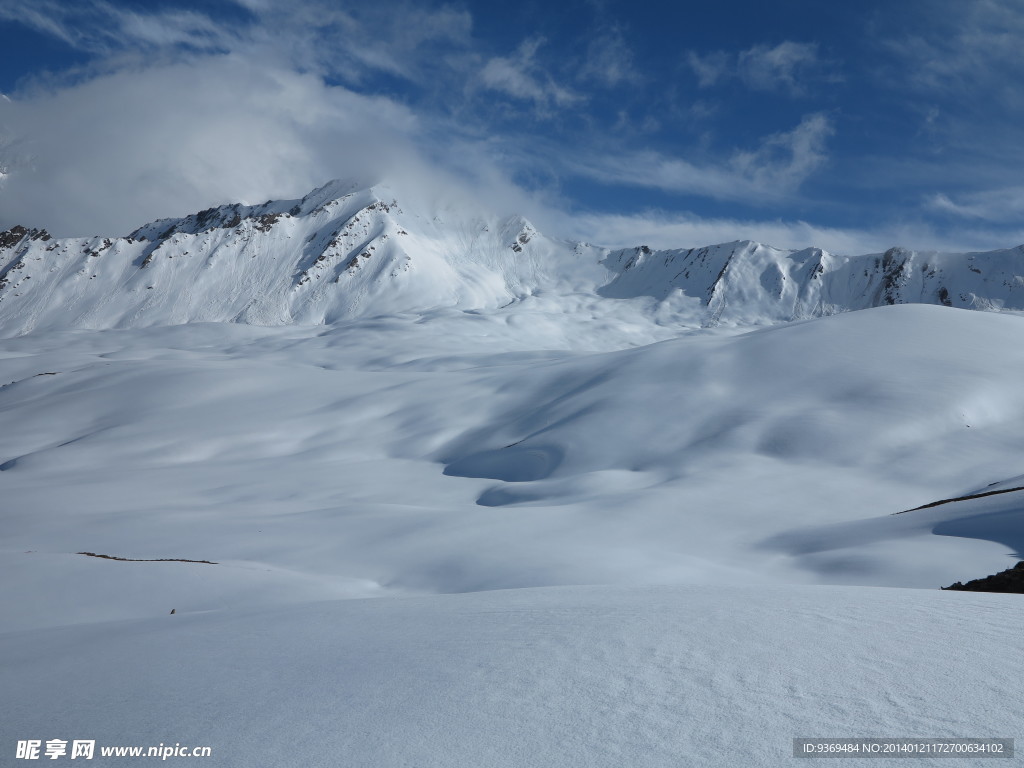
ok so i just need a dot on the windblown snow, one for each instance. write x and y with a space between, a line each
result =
618 507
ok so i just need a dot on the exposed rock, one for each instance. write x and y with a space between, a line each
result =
1010 580
266 221
147 559
12 236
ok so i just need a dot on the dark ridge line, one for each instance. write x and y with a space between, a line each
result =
48 373
146 560
961 498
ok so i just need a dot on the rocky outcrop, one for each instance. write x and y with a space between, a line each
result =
1010 580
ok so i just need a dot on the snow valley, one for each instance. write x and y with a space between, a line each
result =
668 479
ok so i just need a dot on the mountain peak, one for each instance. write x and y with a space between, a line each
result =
231 215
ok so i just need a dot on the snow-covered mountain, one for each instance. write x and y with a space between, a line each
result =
344 252
340 252
747 282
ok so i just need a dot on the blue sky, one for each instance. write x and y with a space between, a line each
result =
852 126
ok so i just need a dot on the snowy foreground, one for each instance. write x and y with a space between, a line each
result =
594 539
596 676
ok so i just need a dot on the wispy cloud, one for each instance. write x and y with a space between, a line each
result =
995 205
404 40
789 67
970 49
661 229
775 168
958 75
784 160
100 27
609 59
712 68
522 77
786 67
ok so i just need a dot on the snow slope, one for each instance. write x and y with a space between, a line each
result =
434 454
508 448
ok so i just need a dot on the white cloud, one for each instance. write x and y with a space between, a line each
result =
156 130
181 112
171 139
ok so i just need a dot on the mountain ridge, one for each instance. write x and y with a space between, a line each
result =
345 251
